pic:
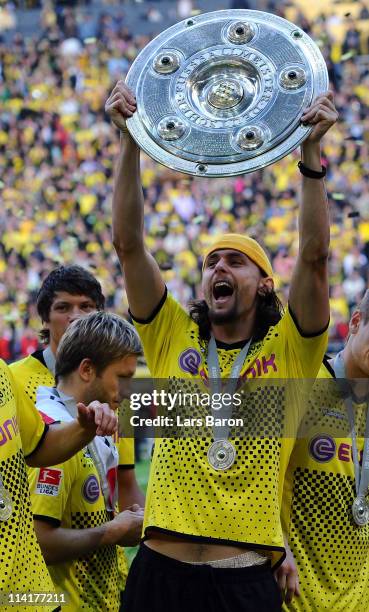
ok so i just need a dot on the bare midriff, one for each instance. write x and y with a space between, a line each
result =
185 550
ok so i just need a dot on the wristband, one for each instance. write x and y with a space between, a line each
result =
313 174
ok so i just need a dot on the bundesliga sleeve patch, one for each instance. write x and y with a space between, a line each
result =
48 482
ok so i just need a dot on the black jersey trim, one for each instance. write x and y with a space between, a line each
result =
207 540
302 334
39 355
156 311
46 428
47 519
127 466
326 363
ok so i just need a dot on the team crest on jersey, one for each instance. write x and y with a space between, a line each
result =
48 482
91 489
189 361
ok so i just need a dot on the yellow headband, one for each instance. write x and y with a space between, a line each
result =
245 245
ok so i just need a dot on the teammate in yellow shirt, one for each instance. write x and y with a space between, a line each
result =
212 513
330 549
24 579
74 502
68 292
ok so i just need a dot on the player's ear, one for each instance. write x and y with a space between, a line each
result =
355 322
266 285
87 370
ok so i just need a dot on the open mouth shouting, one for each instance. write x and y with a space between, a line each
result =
222 292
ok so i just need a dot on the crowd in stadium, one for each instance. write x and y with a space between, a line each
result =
57 156
266 511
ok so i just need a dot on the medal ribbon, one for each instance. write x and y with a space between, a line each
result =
361 475
221 432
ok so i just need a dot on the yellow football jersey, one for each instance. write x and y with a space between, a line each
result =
69 495
31 373
23 569
240 505
331 551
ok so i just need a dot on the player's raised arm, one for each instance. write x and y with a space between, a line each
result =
144 284
308 297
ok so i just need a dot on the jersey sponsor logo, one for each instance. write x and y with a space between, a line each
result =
189 361
322 448
48 482
261 367
91 489
8 429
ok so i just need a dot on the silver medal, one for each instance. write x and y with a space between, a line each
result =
360 511
221 454
6 504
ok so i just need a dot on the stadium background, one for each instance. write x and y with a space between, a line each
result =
58 62
57 151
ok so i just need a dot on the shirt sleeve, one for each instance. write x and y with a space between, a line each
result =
157 332
50 488
305 352
31 426
301 359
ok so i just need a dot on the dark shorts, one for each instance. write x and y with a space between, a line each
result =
157 583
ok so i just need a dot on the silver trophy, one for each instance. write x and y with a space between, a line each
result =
222 93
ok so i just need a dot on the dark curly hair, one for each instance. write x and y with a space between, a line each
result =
269 311
72 279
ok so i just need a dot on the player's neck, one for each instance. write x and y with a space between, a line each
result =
229 333
70 386
53 346
357 379
352 368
